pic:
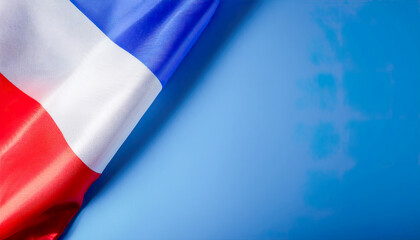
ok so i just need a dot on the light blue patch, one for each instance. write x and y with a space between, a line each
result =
325 140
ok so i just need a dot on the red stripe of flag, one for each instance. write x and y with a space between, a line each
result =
42 181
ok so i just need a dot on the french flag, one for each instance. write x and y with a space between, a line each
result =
75 78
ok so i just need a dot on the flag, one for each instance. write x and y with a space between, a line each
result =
75 78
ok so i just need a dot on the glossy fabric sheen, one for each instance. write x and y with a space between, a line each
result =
70 96
42 181
158 33
95 91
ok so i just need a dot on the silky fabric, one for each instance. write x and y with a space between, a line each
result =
57 60
42 181
95 91
158 33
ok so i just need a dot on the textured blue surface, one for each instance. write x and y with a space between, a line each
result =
158 33
286 121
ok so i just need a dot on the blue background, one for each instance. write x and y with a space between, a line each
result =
287 120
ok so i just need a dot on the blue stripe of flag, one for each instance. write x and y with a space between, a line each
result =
157 32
